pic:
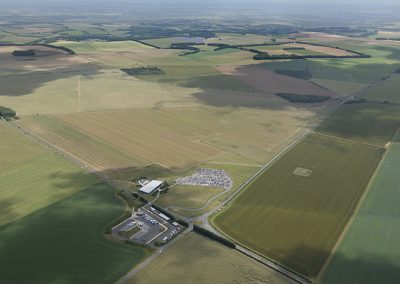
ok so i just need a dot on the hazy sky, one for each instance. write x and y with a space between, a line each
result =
167 8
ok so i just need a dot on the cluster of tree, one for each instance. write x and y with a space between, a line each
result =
267 56
70 51
22 53
141 198
355 100
294 48
397 71
144 32
214 236
300 74
132 199
162 210
305 99
385 38
6 112
108 228
267 29
186 46
357 54
143 70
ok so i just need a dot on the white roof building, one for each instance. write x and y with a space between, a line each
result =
151 186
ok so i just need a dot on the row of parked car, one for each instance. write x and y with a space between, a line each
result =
148 218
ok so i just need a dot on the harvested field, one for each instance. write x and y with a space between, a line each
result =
93 152
198 260
189 136
374 123
146 140
270 82
294 219
369 252
125 140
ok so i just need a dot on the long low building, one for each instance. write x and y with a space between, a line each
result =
151 186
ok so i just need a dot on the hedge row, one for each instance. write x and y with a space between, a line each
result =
214 236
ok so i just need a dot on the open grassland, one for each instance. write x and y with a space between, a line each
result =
45 58
64 242
187 196
369 252
385 91
93 152
374 123
39 93
296 210
33 178
92 81
198 260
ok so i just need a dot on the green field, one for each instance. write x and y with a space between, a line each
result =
64 243
52 219
374 123
33 178
295 211
344 76
218 82
370 251
387 90
197 260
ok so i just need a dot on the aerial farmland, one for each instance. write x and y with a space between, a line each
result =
199 142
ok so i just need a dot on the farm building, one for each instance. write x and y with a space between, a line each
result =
151 186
